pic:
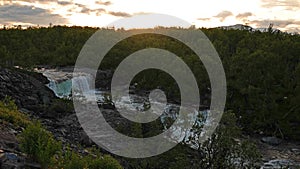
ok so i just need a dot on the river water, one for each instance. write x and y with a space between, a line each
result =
61 84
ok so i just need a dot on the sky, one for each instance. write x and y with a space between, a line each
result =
283 14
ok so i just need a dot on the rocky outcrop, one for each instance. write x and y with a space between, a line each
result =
33 98
271 140
26 90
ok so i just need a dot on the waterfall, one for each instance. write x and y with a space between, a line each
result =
61 89
82 83
61 82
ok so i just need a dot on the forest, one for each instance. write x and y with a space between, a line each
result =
262 72
262 69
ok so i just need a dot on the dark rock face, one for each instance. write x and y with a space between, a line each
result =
35 99
85 140
103 79
31 96
27 91
271 140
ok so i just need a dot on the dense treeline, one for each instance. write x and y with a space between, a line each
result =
42 46
262 69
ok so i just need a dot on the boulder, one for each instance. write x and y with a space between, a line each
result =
85 140
9 160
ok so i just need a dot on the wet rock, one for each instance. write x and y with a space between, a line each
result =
108 106
9 160
280 163
274 141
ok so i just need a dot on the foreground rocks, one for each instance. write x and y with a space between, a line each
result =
10 160
282 154
10 155
27 91
34 99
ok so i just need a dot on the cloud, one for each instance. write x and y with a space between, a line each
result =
142 13
287 4
86 10
5 2
244 15
203 19
80 5
289 25
64 3
276 23
98 11
120 14
28 14
293 29
223 15
106 3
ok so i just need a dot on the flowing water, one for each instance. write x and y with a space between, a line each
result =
61 85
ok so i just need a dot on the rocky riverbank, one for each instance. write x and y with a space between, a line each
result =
277 153
28 91
37 101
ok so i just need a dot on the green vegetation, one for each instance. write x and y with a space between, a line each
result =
95 160
60 107
38 144
262 69
263 81
226 148
57 46
9 113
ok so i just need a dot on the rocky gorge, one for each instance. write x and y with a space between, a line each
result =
30 92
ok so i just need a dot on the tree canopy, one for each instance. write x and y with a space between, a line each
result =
262 69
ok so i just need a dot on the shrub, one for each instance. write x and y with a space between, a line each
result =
224 149
9 113
60 106
71 160
38 144
68 160
105 162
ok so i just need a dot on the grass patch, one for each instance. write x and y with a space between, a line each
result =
9 113
39 144
95 160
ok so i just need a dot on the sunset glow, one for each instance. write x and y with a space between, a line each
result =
284 14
